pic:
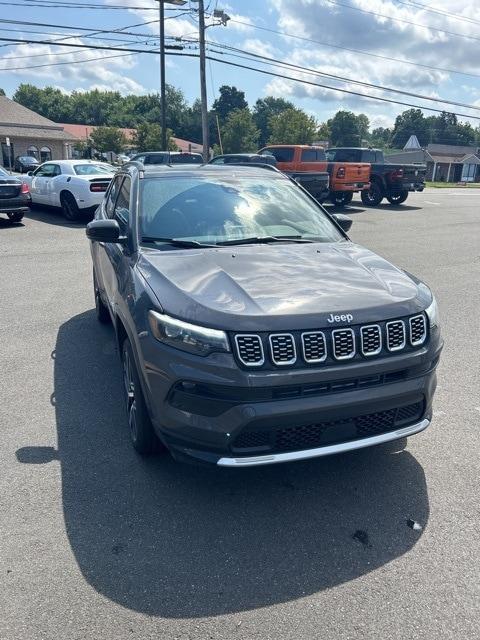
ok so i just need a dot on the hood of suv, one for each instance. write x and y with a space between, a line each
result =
280 286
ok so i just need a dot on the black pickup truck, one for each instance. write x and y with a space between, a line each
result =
391 181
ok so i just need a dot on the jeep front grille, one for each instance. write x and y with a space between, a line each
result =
343 344
314 346
282 347
330 346
250 350
395 335
371 339
418 330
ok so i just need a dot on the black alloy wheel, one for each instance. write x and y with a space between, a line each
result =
372 197
15 216
398 198
69 207
142 434
341 198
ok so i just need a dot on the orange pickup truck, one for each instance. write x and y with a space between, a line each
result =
345 177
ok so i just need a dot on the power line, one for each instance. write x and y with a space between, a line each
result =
63 4
440 12
359 51
347 91
281 63
250 68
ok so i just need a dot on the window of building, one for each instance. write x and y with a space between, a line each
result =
32 151
45 154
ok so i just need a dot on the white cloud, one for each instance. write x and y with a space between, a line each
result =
94 70
327 22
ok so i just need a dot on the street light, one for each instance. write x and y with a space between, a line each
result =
161 15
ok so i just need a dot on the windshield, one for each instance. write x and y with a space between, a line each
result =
92 169
3 172
28 159
220 209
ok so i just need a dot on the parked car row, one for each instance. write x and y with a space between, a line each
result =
77 186
338 173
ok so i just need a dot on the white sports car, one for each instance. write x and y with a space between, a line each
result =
77 186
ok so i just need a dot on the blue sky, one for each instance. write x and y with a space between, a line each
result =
345 24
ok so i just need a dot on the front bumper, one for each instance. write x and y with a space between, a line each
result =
201 406
327 450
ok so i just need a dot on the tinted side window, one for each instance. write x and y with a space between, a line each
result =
112 196
122 206
368 156
379 157
282 154
56 170
156 158
309 155
219 160
46 171
345 155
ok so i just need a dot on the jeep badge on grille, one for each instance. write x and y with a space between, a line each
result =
345 317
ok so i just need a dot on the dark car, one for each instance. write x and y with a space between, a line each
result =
387 180
24 164
168 157
251 329
244 158
15 197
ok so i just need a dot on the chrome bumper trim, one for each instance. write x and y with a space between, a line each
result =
274 458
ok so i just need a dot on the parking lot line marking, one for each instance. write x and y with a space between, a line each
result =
430 202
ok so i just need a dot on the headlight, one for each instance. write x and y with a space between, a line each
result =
186 336
432 313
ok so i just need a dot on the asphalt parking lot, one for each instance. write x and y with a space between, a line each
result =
97 543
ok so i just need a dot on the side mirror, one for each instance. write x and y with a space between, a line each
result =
104 231
30 173
344 221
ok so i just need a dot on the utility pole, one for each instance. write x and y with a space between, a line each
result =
163 117
203 81
163 99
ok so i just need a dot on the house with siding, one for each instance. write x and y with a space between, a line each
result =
445 162
30 134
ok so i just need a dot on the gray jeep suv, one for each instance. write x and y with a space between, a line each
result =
251 329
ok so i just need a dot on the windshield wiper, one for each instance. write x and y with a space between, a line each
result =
262 239
177 242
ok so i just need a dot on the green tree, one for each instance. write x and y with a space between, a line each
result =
292 126
345 129
230 99
264 110
108 139
48 102
323 132
239 133
363 124
2 92
381 137
408 123
148 137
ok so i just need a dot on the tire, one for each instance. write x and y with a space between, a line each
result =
372 197
142 434
103 315
70 209
341 198
15 217
398 198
